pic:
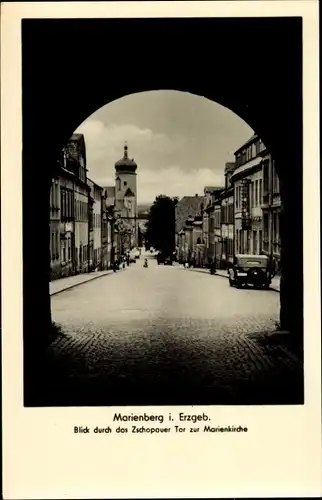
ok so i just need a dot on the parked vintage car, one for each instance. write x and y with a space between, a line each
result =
250 270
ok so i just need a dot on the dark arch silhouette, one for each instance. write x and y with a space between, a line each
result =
71 68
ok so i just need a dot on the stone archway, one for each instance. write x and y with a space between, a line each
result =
247 65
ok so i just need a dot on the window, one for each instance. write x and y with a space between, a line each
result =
71 214
260 191
62 202
64 253
52 245
237 241
260 240
247 241
256 193
276 187
242 238
57 244
254 242
125 183
231 214
250 187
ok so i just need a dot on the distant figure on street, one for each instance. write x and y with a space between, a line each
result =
145 263
186 265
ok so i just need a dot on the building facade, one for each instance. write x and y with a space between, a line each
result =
67 181
54 207
105 256
216 214
96 200
90 226
271 207
76 158
248 190
210 195
69 211
186 241
198 246
126 201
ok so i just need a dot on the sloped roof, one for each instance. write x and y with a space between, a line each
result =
110 191
76 137
188 206
209 189
75 146
229 167
247 143
126 163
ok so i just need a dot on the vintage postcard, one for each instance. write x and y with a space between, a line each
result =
161 250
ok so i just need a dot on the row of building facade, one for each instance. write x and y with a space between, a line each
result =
241 217
91 226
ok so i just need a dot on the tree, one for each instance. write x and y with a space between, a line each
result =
140 237
160 231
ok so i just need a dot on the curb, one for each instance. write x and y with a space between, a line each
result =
81 283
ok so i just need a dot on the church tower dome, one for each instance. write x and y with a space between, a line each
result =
125 164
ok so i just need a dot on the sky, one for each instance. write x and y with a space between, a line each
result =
180 142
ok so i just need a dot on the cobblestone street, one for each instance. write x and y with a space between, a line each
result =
164 335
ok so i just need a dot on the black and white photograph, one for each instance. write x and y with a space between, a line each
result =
162 212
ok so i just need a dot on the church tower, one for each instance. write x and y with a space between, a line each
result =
126 197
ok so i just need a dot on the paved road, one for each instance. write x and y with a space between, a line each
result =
164 335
